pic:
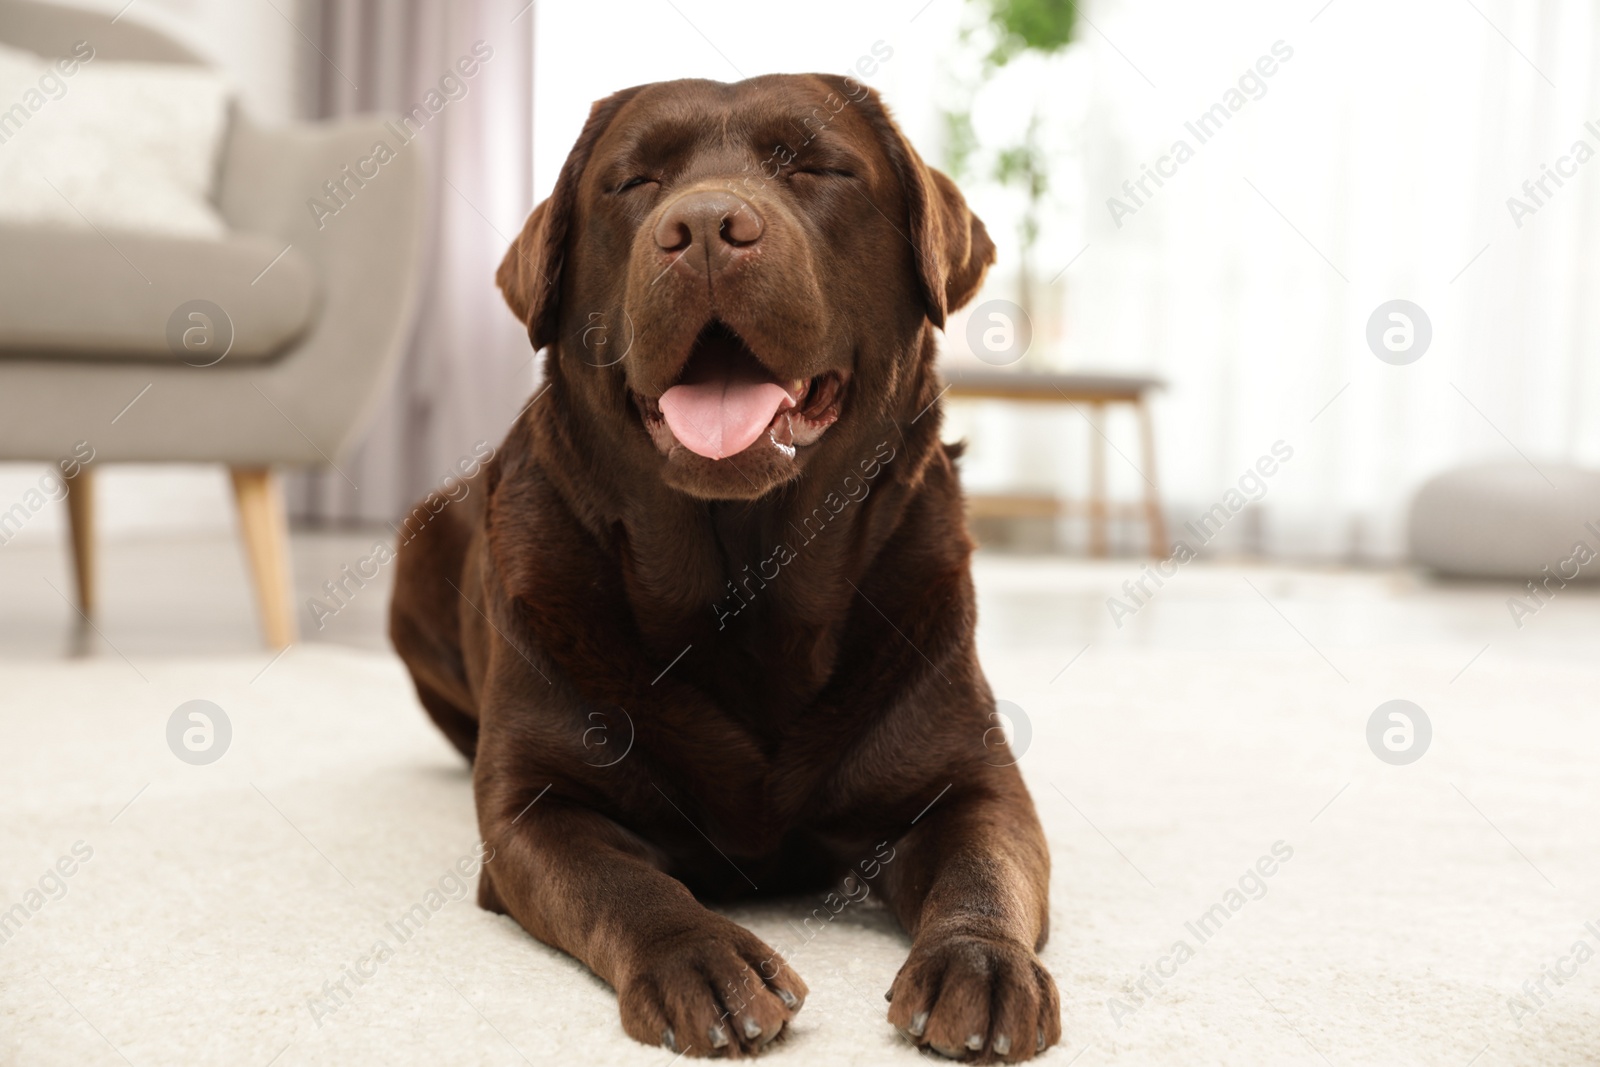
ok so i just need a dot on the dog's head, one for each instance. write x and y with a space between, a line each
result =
734 277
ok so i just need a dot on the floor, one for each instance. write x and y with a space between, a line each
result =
1174 742
184 597
192 597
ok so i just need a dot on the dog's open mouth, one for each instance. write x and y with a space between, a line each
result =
726 400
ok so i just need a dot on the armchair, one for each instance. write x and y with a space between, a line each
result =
96 343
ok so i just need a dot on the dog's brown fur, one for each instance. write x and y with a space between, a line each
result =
789 718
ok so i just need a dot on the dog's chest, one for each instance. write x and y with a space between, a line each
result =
758 779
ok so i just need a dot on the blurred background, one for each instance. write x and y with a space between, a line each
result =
1204 218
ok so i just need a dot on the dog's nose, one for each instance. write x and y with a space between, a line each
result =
708 227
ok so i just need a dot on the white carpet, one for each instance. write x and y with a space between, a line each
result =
224 896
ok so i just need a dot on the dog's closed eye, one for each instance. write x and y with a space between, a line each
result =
635 182
822 172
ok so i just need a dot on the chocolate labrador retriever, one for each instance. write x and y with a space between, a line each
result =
705 623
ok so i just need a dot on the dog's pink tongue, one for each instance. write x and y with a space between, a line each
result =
724 411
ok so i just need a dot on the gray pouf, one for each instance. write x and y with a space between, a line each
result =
1502 520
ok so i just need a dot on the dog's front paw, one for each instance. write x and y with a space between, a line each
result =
976 998
714 991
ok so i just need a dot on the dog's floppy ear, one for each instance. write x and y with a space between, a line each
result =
527 273
956 249
530 274
951 245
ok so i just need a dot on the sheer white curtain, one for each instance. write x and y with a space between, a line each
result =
468 369
1375 165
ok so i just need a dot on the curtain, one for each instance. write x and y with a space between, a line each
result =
1384 159
468 368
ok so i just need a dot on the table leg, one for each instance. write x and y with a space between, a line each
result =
1155 521
80 512
1097 479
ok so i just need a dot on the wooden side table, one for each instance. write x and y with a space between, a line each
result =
1095 392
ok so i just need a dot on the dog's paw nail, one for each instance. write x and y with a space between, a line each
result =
1040 1046
947 1053
889 996
919 1023
668 1040
752 1029
975 1042
1002 1044
719 1037
790 1001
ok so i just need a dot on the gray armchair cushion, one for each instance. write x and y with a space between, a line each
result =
51 29
66 294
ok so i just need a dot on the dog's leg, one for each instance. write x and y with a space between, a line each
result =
685 977
971 885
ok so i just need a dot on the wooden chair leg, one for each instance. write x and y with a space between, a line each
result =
80 515
1155 521
1097 479
265 527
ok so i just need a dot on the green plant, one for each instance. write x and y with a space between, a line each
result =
1040 25
1015 27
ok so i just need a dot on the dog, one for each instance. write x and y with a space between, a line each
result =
704 624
